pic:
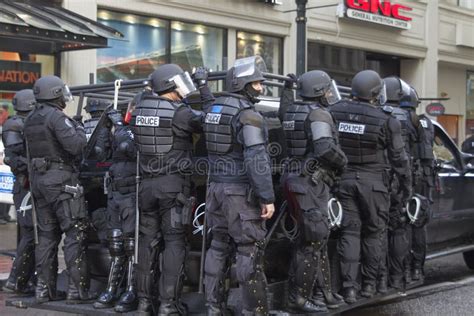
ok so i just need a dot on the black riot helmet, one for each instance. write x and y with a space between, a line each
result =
24 100
317 84
397 89
52 88
368 86
96 105
411 100
246 70
171 77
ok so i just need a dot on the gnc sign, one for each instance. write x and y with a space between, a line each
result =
379 11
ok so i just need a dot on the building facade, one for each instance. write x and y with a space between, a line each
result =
429 43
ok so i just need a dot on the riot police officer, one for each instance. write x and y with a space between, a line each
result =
371 139
15 156
424 186
398 92
103 146
163 127
314 161
55 142
240 193
121 188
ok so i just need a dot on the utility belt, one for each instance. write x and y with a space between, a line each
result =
228 179
124 185
381 176
45 164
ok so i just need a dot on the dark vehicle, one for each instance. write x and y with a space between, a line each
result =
449 231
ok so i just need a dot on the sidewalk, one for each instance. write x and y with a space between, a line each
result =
8 244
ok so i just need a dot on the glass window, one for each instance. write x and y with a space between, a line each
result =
269 47
196 45
470 103
144 49
466 4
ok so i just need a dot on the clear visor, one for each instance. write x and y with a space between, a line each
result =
184 84
332 94
382 97
245 67
404 88
67 95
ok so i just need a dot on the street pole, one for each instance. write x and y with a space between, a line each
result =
300 36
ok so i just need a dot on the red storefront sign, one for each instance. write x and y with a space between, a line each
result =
380 12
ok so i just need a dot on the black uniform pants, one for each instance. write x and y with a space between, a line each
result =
310 202
234 216
121 212
161 230
59 212
365 200
23 267
418 236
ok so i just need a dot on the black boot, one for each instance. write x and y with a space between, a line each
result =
45 292
109 296
382 285
416 275
172 308
368 290
350 295
128 301
218 310
145 306
298 302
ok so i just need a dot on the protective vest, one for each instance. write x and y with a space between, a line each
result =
152 124
218 124
360 127
42 142
89 126
297 130
122 144
402 116
12 131
425 147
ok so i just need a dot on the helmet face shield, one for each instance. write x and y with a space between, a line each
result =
67 95
382 97
332 94
248 66
184 84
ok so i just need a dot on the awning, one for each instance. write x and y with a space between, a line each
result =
27 27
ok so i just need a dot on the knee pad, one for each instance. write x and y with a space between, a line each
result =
115 240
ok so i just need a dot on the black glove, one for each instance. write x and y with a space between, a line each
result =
290 84
115 117
77 118
200 76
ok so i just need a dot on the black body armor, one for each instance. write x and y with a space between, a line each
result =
299 141
12 131
425 147
218 124
152 126
360 126
89 126
41 140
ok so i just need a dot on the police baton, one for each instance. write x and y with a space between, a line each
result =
33 208
203 246
137 211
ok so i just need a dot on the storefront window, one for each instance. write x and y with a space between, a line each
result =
196 45
147 46
470 103
143 50
269 47
466 4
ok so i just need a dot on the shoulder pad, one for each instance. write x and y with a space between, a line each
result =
13 124
320 115
387 109
251 117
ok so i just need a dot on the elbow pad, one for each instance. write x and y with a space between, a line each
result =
252 136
